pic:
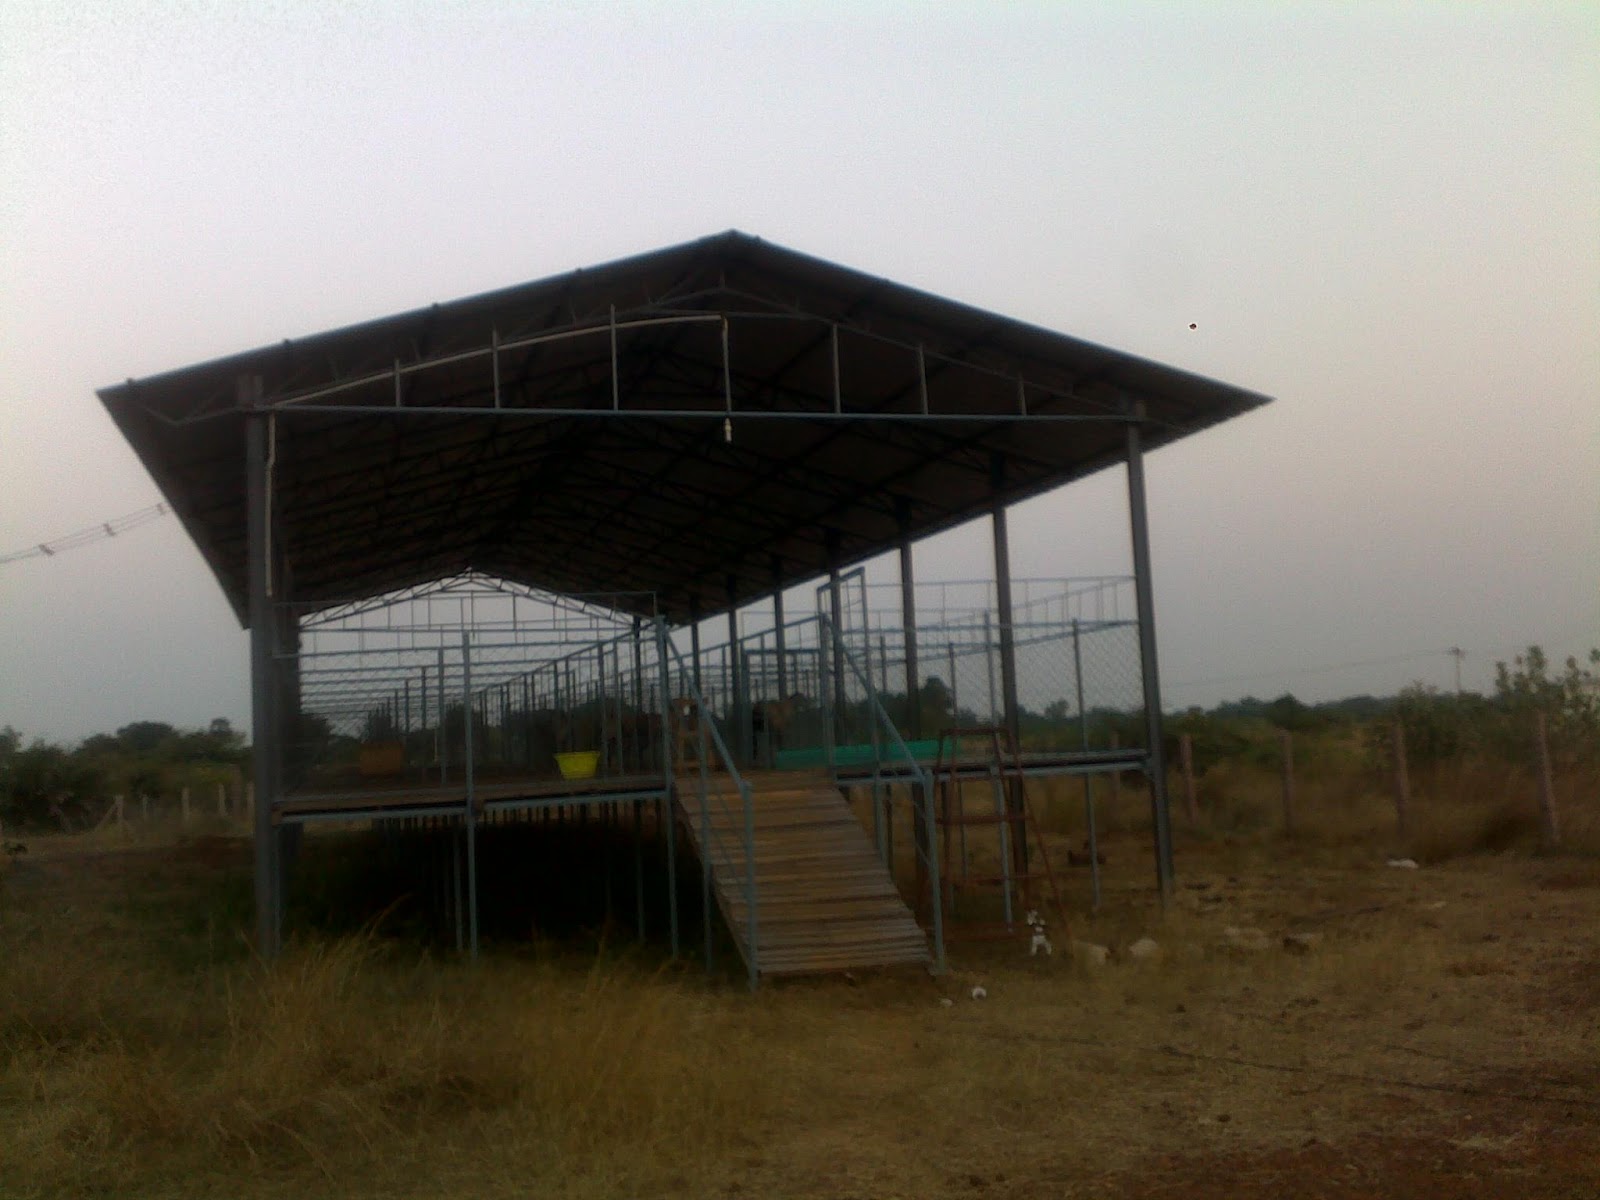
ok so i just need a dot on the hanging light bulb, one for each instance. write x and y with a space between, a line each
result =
727 429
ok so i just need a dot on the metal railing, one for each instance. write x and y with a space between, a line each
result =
925 848
712 844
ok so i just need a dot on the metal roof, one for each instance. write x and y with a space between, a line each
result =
720 414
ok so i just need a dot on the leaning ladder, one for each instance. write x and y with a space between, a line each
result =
1012 823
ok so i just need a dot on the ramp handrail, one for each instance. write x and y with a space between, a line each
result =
927 853
706 726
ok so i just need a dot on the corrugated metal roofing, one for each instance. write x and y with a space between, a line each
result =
568 433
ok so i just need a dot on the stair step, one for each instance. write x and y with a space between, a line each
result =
824 899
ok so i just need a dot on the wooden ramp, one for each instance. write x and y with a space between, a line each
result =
824 900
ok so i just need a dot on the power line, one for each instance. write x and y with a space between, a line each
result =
90 535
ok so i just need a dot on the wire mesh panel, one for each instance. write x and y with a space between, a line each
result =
822 699
413 690
405 693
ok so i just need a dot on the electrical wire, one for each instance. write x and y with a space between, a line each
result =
90 535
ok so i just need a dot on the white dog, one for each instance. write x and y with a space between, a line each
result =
1040 941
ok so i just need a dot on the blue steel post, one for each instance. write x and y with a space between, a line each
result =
472 800
263 665
1155 756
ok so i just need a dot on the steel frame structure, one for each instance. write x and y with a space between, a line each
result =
683 433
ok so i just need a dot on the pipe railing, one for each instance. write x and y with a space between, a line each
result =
921 794
711 839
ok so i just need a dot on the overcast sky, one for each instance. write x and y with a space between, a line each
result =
1386 216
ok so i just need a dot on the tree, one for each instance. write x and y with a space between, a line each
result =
43 785
146 737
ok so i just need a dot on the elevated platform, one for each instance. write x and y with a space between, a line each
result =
1036 764
450 799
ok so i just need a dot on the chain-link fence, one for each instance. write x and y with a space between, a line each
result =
400 694
383 697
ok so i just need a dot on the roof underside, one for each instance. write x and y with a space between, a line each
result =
569 434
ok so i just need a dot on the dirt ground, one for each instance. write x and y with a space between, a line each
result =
1440 1038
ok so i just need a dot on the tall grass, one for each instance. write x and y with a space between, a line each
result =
341 1054
1458 807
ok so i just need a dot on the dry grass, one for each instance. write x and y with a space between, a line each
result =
145 1053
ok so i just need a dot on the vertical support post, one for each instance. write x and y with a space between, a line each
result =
1016 801
780 633
422 701
472 799
1008 643
668 782
1155 753
600 702
1402 782
640 726
738 709
1549 827
441 735
1186 752
1287 741
700 719
694 640
988 663
1088 787
955 700
836 611
263 667
922 843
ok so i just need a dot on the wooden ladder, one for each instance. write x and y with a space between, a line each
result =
825 902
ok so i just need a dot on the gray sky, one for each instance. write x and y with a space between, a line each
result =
1387 216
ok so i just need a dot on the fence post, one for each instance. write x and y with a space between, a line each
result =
1402 782
222 799
1287 740
1116 774
183 806
1186 756
1549 830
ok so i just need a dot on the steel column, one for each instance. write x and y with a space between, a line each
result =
1156 765
472 805
1015 800
694 640
1088 787
921 843
263 666
668 783
782 634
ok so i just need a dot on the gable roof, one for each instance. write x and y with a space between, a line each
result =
698 422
